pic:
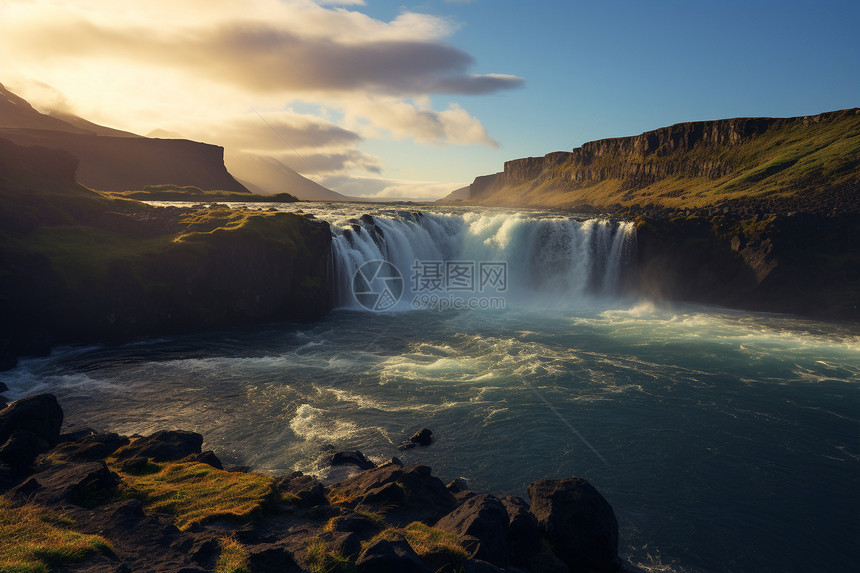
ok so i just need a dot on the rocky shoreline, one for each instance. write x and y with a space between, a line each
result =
158 503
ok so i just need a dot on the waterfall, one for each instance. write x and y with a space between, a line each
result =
546 260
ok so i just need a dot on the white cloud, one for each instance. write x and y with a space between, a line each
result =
392 189
381 116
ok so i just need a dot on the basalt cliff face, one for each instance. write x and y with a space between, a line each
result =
78 267
694 165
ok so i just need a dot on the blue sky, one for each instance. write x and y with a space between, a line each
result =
605 69
413 99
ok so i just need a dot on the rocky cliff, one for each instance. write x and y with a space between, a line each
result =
77 267
113 160
693 165
129 163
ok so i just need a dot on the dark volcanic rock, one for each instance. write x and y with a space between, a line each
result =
578 522
92 447
385 556
76 435
20 450
307 488
39 414
478 566
423 437
355 458
402 493
3 387
458 485
208 457
271 558
134 465
79 484
145 542
345 543
481 523
356 523
165 446
523 530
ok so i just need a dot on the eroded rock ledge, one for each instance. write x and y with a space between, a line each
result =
158 503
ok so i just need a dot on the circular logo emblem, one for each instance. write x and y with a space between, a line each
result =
377 285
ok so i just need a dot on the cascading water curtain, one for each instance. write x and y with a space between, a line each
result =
547 259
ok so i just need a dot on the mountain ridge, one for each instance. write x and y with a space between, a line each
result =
115 160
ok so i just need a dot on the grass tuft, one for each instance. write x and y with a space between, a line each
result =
321 560
196 493
35 540
233 558
425 540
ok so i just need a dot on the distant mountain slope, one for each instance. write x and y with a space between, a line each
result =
268 176
812 161
91 127
461 194
16 112
113 160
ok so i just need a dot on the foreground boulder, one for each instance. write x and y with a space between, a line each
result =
40 415
481 524
307 489
28 427
522 530
164 446
578 522
403 494
385 556
92 447
84 485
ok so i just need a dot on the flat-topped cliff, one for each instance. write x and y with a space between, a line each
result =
695 164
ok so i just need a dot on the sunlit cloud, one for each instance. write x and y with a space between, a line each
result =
275 132
204 68
380 117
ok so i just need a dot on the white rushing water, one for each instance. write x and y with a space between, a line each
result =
545 259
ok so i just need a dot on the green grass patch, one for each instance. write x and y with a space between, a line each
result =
195 493
195 194
425 540
35 540
321 560
233 557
